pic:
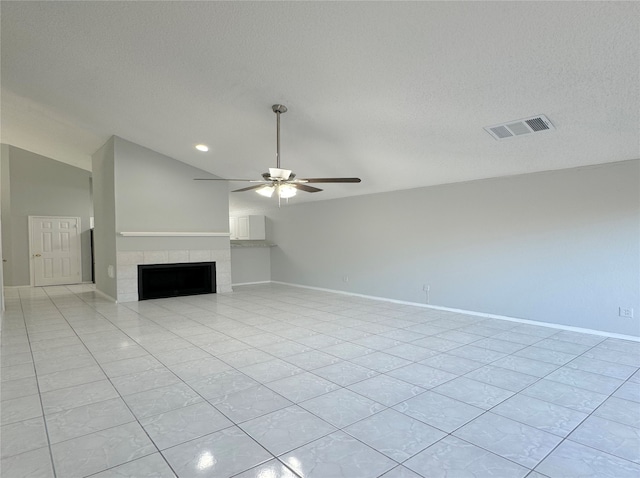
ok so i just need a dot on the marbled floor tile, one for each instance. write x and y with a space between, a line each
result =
452 457
312 359
250 403
421 375
474 393
270 469
87 419
571 459
539 414
609 369
223 453
302 386
620 410
99 451
173 357
183 424
545 355
609 355
337 456
577 338
629 391
526 365
222 383
503 378
32 464
160 400
52 354
244 358
635 378
510 439
411 352
345 373
141 381
347 350
77 396
16 372
55 343
565 395
380 361
342 407
20 409
452 364
17 359
198 369
395 435
611 437
439 411
266 372
65 363
498 345
132 365
285 348
23 436
401 472
587 380
386 390
150 466
70 378
478 354
119 353
566 347
286 429
21 387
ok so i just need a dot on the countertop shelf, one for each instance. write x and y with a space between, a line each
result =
247 243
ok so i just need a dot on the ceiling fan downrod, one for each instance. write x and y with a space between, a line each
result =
278 110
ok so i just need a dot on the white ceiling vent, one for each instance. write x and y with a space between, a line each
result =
520 127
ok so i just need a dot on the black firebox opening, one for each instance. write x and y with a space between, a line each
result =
156 281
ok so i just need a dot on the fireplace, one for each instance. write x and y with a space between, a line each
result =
156 281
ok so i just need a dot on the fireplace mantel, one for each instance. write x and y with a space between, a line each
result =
174 234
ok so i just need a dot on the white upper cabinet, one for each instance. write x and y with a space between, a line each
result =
247 228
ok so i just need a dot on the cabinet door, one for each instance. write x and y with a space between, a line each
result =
233 227
243 227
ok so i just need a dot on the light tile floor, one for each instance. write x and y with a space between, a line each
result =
282 382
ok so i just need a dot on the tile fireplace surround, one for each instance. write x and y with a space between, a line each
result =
128 261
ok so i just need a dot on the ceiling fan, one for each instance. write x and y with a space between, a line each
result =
283 182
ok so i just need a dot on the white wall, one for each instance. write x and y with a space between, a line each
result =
34 185
139 190
250 264
104 217
559 247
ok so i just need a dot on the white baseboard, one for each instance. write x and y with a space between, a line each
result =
252 283
472 312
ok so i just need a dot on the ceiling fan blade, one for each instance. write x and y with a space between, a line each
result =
330 180
247 188
220 179
304 187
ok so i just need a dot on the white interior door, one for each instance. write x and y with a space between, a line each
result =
55 250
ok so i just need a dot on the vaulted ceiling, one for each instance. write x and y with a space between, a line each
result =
396 93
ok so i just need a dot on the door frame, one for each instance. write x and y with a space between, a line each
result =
32 271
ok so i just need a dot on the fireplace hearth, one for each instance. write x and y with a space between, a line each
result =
156 281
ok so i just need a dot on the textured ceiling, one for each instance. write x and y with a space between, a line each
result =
396 93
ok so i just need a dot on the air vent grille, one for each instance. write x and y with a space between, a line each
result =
520 127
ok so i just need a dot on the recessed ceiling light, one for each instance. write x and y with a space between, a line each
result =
202 147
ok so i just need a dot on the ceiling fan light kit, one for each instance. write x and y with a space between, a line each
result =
282 181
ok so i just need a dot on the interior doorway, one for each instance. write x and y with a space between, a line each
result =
54 247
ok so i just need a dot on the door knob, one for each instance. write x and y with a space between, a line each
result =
37 255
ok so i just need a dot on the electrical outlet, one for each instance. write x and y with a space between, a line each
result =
625 312
345 278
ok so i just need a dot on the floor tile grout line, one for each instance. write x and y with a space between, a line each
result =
440 352
121 398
